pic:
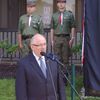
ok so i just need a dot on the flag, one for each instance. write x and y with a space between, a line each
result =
91 65
83 33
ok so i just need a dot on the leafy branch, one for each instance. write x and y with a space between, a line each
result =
8 47
77 48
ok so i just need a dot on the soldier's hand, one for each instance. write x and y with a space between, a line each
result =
71 42
52 45
20 46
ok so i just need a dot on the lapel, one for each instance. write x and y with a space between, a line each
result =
47 63
49 69
35 66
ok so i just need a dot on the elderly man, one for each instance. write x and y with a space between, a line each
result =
39 78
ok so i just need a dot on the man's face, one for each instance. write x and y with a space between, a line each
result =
61 5
31 9
39 46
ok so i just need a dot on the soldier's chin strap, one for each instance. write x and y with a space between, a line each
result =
55 58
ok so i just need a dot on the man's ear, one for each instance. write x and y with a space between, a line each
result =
31 46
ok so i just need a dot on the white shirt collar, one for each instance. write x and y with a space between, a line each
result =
37 58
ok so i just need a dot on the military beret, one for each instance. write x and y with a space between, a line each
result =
31 2
61 1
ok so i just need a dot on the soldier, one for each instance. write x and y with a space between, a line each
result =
62 31
29 24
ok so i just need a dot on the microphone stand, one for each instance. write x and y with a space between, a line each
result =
55 59
52 80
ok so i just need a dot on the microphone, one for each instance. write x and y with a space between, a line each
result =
52 57
49 55
43 53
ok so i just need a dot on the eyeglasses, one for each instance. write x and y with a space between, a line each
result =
38 45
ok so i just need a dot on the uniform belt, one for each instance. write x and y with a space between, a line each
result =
62 35
24 37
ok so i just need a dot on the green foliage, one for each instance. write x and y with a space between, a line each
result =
3 44
7 89
78 47
12 48
8 47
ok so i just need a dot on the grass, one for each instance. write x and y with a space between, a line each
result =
7 89
78 87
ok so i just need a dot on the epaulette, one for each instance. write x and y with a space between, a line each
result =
69 11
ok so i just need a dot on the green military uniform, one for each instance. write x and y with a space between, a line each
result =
62 34
27 31
36 25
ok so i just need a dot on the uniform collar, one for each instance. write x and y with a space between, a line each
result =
29 15
62 12
34 13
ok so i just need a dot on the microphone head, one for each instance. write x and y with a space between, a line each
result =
43 53
49 55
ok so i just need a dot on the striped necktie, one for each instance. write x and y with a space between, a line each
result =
61 18
42 66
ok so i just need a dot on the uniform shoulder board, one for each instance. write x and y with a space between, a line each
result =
69 11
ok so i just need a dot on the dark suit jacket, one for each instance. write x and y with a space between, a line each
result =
31 83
